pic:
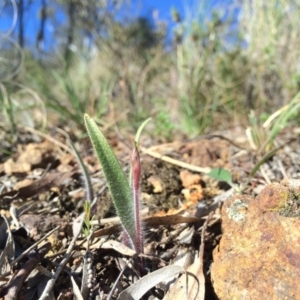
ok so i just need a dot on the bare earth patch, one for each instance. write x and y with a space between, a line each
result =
42 197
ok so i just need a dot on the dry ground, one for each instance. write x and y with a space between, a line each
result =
42 190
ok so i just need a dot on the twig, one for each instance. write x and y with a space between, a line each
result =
175 161
201 255
282 169
33 246
34 257
219 136
116 282
49 138
67 256
44 271
265 175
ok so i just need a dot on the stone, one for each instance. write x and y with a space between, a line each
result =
259 253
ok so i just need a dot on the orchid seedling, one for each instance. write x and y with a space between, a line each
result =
125 193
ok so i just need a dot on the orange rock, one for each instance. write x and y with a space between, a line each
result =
273 198
259 253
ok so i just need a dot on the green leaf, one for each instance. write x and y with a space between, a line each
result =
137 136
85 173
115 177
220 174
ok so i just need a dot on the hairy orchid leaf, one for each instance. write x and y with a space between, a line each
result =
117 182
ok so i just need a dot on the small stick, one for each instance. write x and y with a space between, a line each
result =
33 246
109 296
49 138
201 254
175 161
15 285
51 282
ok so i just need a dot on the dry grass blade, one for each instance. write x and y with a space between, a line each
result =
175 161
49 138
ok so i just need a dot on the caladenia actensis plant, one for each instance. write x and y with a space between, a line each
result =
125 193
135 175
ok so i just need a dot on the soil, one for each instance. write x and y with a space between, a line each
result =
41 185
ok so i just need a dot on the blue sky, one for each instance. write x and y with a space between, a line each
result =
138 8
163 6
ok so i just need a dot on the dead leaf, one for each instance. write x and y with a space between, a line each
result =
11 167
188 178
23 183
119 247
150 221
169 220
193 193
32 154
188 287
139 288
39 186
108 230
67 159
156 183
192 284
64 168
8 253
185 237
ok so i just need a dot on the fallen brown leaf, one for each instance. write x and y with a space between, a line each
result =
188 178
169 220
156 183
192 284
39 186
